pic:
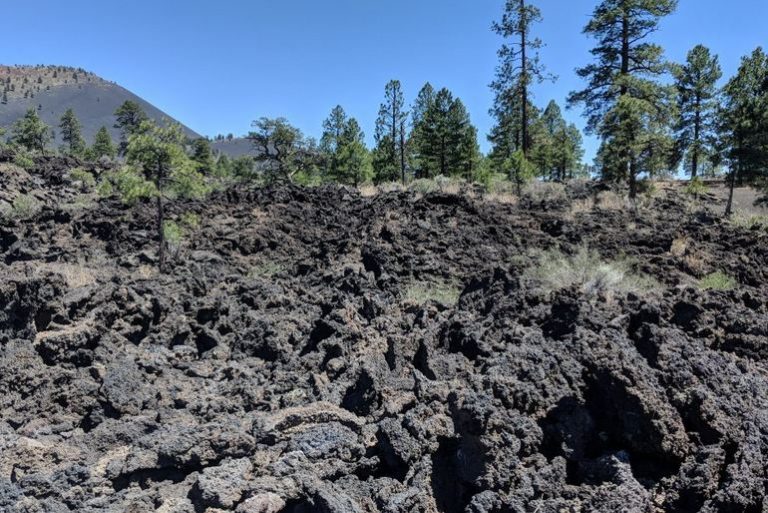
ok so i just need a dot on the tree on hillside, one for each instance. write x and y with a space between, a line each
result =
519 66
696 83
444 140
744 118
624 103
31 132
71 133
159 154
102 145
343 146
129 118
389 160
203 155
281 149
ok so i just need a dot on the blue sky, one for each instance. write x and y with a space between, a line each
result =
217 65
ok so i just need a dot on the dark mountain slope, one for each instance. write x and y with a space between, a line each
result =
93 99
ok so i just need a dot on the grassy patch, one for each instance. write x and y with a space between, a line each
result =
585 269
24 207
696 187
423 292
718 281
266 270
750 221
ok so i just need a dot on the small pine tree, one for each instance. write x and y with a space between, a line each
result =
71 133
31 132
103 145
158 154
129 118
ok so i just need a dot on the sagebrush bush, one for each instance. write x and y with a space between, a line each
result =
24 207
555 270
718 281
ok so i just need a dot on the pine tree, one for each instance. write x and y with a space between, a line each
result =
129 118
103 145
624 103
159 154
343 146
332 140
518 68
71 133
31 132
203 155
744 118
444 140
390 151
697 92
424 101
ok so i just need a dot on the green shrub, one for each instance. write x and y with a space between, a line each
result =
24 161
24 207
84 177
421 292
129 184
173 233
696 187
586 269
424 186
190 220
718 281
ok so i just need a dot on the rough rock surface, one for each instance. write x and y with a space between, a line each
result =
277 367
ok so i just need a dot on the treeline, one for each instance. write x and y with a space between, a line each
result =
651 115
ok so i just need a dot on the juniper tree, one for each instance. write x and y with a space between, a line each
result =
158 153
31 132
71 133
624 103
128 119
390 152
103 145
519 66
745 122
696 83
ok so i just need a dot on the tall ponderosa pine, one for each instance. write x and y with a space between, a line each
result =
518 68
696 83
343 146
444 140
31 132
424 101
128 119
102 145
624 103
745 122
159 154
389 160
71 133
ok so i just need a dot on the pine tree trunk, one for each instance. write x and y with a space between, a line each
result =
524 76
696 137
732 185
402 150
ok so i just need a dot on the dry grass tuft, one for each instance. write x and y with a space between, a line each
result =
445 293
586 269
679 246
609 200
75 275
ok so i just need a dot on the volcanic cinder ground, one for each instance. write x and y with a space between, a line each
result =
284 362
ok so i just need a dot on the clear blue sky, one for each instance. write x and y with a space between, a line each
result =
218 64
